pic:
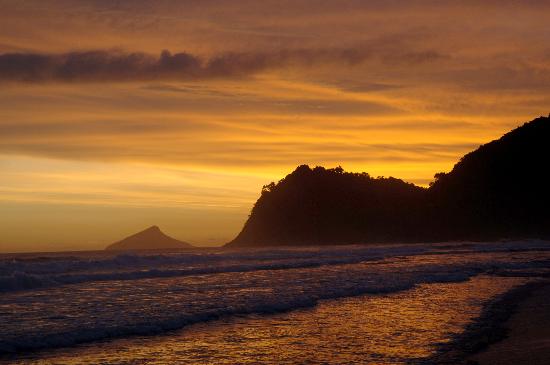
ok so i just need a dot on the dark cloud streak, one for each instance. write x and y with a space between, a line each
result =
118 66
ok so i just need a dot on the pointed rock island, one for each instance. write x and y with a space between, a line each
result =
150 239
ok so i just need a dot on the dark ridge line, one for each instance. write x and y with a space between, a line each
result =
496 192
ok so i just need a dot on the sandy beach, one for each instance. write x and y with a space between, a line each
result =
527 334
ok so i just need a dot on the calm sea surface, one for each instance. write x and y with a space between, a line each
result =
335 305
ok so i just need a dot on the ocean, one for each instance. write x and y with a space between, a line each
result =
376 304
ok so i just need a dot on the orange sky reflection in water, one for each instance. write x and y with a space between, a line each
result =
377 329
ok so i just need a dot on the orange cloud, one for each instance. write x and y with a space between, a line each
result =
95 121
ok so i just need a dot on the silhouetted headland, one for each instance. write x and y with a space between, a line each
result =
499 191
150 239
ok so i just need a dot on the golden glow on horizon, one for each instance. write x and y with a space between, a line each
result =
394 90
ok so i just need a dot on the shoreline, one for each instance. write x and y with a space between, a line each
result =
492 328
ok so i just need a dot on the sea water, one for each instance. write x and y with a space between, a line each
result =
393 304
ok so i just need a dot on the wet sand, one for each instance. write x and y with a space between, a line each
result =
527 334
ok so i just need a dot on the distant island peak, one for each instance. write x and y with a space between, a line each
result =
151 238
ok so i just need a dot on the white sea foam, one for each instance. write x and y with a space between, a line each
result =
78 299
41 272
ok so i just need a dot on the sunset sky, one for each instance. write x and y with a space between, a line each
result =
117 115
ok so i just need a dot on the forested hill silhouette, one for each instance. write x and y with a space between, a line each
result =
501 190
151 238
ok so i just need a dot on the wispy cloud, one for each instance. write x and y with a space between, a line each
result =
108 66
248 87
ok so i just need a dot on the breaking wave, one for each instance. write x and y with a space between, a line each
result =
117 296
